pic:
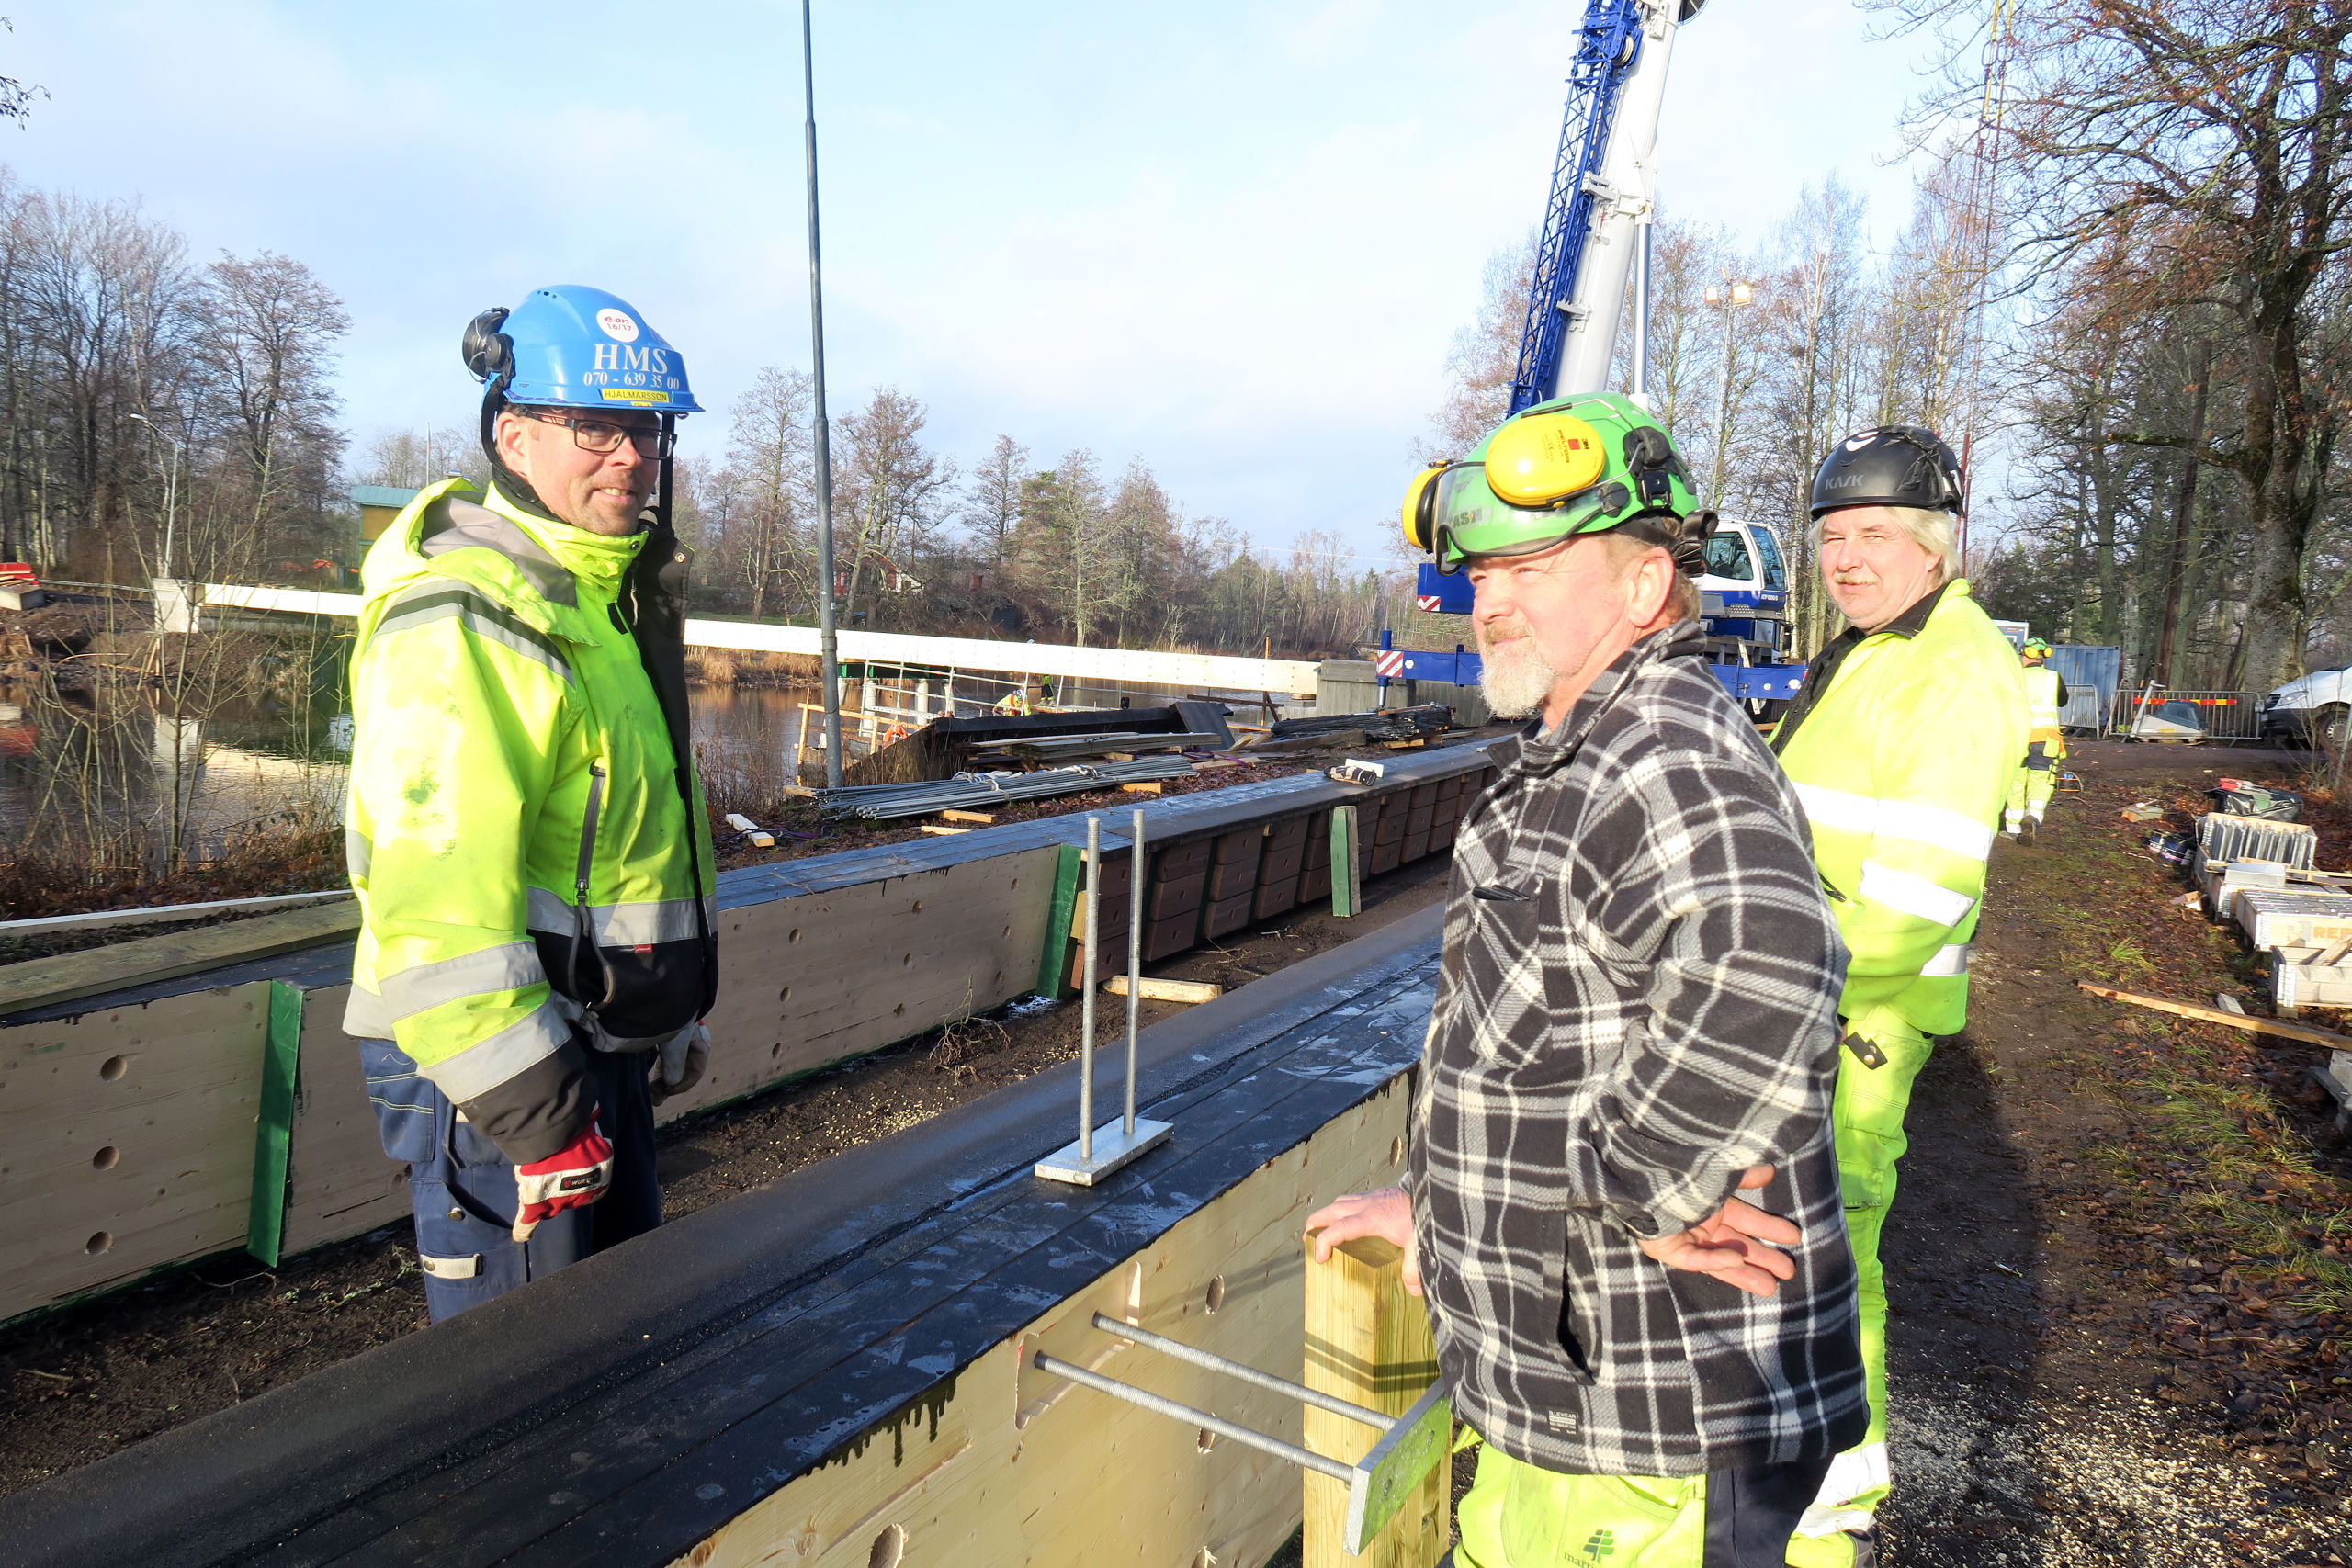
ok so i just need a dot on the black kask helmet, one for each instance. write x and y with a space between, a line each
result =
1895 465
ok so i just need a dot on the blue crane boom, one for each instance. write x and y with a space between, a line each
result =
1604 184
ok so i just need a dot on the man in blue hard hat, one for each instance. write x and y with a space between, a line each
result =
525 828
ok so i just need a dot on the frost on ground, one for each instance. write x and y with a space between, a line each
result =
2083 1478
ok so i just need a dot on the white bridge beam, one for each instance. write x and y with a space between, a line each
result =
1200 671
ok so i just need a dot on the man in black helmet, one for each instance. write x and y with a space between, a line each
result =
1900 748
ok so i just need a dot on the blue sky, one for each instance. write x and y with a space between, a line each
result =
1236 240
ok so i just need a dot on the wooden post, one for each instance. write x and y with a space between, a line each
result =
1345 895
1368 1342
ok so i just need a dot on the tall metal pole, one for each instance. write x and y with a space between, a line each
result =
1640 391
828 640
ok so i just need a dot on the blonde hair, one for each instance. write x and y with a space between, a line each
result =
1930 530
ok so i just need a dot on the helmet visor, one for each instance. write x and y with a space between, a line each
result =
1469 519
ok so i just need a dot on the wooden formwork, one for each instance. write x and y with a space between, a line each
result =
106 1179
840 1369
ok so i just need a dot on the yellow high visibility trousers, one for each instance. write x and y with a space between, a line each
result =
1521 1516
1868 1116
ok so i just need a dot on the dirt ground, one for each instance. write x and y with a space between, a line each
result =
2119 1265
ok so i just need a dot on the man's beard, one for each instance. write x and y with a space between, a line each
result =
1514 677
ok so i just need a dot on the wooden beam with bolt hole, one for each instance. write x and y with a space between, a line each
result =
1151 788
1368 1342
2259 1025
1153 991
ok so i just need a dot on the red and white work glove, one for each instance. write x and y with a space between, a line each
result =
570 1178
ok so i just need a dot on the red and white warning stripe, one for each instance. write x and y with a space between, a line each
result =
1391 665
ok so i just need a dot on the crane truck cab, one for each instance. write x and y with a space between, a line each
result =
1744 594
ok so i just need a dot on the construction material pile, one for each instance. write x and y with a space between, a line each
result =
980 791
2258 873
1387 724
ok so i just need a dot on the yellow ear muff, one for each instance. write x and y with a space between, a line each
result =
1542 459
1420 506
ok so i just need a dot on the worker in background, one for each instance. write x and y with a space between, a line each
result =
1901 747
1624 1197
2029 787
524 829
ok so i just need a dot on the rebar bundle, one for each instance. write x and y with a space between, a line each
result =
967 792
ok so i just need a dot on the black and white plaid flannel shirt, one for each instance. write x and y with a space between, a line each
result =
1638 1002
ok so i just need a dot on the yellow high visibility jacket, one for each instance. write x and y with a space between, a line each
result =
2045 695
1902 746
533 882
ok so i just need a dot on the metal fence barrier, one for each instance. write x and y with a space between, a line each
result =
2161 713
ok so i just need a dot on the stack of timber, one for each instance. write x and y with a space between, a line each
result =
948 746
980 792
1355 728
838 1369
1063 748
169 1118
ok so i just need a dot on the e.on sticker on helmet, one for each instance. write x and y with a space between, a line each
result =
635 395
618 325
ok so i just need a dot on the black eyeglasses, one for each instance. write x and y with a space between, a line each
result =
602 435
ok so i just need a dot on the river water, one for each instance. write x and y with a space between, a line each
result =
111 767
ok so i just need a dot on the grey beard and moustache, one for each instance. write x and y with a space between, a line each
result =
1517 681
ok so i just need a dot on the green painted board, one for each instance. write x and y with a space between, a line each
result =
1053 962
274 1127
1345 895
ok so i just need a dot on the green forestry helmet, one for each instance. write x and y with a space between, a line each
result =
1576 464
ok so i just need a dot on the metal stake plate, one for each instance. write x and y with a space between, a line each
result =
1113 1149
1387 1475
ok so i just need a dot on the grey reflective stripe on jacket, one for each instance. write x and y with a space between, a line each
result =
620 925
509 966
437 598
472 526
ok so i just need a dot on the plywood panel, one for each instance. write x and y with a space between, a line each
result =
126 1141
1010 1465
809 980
339 1183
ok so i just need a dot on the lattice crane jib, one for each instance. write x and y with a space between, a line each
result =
1603 186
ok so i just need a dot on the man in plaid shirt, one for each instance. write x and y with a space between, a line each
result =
1636 1024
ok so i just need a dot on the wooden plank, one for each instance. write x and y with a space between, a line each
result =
166 914
985 818
1165 990
1150 788
1368 1342
41 981
941 832
339 1182
130 1141
1015 1466
2279 1027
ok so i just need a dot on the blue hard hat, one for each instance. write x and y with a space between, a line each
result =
577 347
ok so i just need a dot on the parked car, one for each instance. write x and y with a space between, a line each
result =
2309 710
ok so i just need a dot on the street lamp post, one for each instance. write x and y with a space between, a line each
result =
1733 295
171 486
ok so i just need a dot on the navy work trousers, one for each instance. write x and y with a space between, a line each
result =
463 1188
